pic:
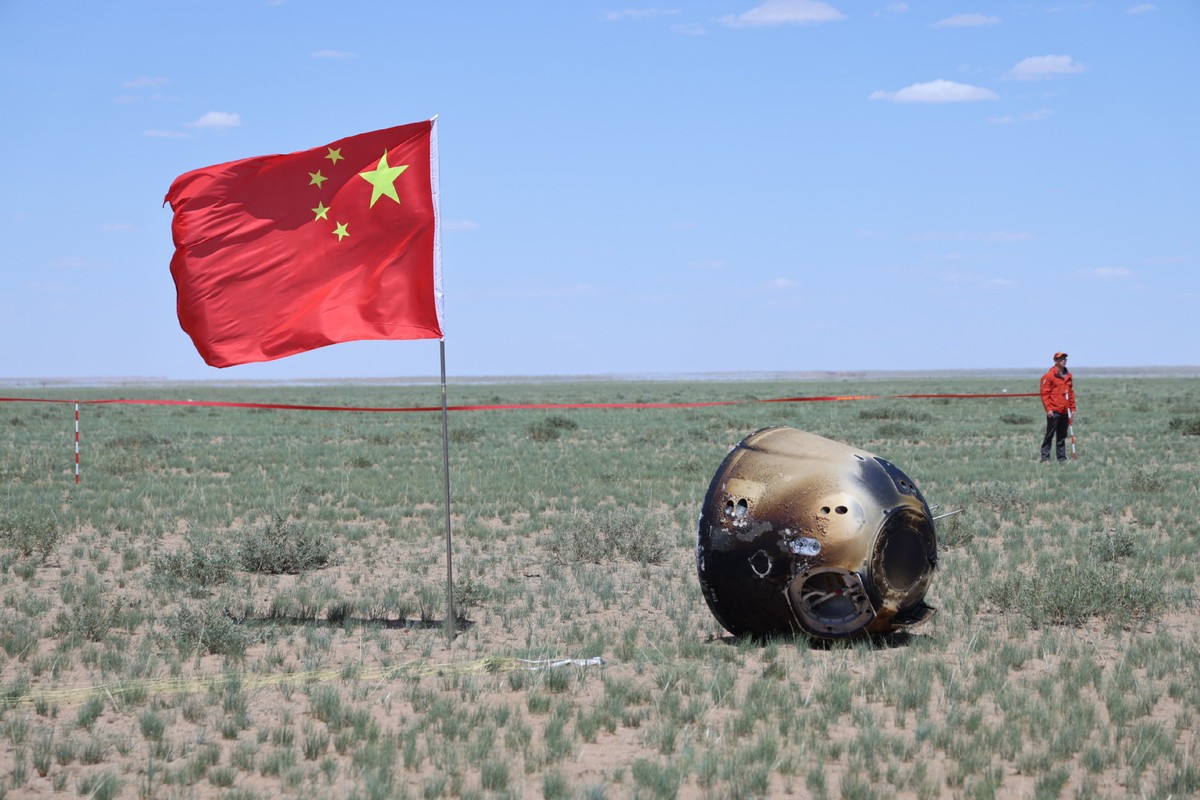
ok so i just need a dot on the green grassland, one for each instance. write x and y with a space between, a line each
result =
250 603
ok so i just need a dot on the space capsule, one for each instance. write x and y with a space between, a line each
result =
802 533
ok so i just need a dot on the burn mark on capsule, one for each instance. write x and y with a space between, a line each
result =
760 562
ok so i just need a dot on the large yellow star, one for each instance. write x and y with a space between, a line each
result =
383 180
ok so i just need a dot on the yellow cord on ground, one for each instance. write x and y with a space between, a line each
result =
16 695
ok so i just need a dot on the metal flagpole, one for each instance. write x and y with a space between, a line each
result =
450 624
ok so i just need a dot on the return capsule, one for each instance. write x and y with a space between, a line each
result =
802 533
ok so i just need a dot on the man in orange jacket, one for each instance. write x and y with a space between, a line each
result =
1058 398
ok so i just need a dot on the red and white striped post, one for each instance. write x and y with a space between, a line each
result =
76 441
1071 433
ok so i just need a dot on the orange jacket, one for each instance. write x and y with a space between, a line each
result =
1058 392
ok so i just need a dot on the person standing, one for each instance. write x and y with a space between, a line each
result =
1058 398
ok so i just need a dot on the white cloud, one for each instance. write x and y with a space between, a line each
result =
73 262
1029 116
898 8
955 275
1038 67
637 13
939 91
332 54
144 82
966 236
1141 8
1107 273
562 291
966 21
689 29
784 12
217 119
1009 236
45 287
142 88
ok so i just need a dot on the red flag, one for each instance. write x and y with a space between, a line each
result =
276 255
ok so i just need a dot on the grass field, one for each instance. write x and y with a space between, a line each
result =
250 603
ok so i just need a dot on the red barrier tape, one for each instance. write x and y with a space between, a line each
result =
515 406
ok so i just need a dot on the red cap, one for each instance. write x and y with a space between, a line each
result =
1059 355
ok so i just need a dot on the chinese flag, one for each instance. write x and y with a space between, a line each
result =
280 254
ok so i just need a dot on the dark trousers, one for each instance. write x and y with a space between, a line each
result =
1056 425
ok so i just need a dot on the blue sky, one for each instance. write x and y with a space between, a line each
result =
629 188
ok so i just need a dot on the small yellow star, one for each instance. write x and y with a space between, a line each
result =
335 155
321 210
317 179
340 231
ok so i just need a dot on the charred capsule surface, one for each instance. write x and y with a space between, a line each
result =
799 532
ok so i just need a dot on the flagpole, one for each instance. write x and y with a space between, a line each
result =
446 484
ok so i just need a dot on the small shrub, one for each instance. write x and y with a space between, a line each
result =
550 428
660 780
326 706
468 434
101 786
896 412
957 530
1115 545
555 786
283 547
898 430
205 563
998 496
43 754
207 629
27 533
152 725
1146 480
1184 426
1069 594
494 775
89 712
222 777
612 534
316 742
19 635
89 615
468 593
